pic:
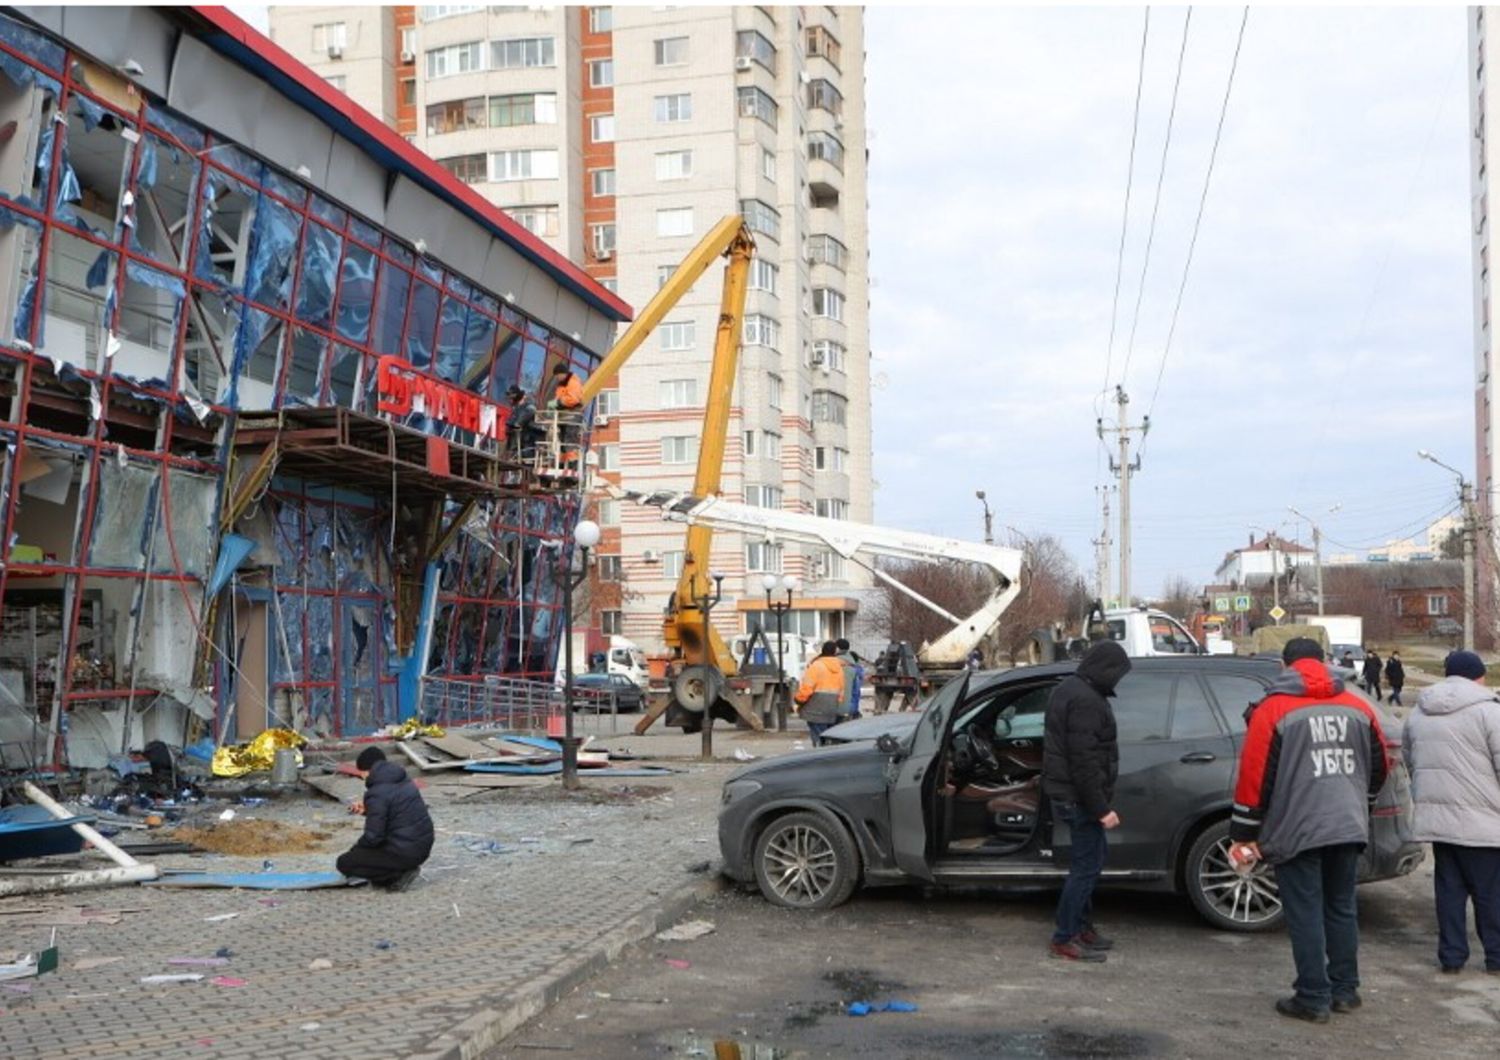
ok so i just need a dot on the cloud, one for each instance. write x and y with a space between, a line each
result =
1326 330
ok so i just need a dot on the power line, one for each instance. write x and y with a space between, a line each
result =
1202 202
1135 126
1403 531
1161 176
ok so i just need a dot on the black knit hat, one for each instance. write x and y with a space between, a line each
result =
1301 648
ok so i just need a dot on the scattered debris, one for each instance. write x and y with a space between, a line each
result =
84 964
700 868
191 962
184 977
864 1008
257 755
227 815
309 1026
384 944
219 917
227 980
260 881
320 964
252 838
742 755
65 916
686 932
680 965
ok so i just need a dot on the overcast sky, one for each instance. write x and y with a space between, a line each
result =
1326 330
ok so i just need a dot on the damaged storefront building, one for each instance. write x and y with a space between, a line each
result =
254 351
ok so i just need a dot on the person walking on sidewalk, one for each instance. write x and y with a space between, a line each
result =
1372 673
1080 762
821 693
398 830
1451 745
854 676
1312 761
1395 676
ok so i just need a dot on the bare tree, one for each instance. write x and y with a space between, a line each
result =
1353 591
1180 598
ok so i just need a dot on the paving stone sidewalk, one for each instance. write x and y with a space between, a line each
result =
483 922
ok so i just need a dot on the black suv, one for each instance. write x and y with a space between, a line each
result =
952 795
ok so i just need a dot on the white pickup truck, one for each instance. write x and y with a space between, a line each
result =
1141 631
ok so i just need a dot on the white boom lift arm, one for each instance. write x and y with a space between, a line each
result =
853 540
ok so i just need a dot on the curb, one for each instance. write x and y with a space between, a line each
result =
490 1026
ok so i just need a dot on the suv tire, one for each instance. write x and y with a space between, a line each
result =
806 861
1225 899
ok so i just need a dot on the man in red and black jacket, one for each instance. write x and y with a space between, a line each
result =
1313 759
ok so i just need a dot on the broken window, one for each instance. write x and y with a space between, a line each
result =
80 281
224 230
356 293
273 251
260 345
147 322
94 166
303 383
124 508
390 309
320 258
421 325
343 375
166 185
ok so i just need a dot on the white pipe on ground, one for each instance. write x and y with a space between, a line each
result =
76 881
56 809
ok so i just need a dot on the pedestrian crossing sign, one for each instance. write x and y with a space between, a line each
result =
1242 603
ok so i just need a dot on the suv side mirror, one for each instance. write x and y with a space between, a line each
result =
887 744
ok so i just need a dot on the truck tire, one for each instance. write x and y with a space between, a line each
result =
1041 648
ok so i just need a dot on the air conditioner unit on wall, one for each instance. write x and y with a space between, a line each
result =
743 62
649 556
335 51
603 255
408 57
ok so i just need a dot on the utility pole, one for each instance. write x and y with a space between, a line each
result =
1470 529
1101 550
1317 533
1125 470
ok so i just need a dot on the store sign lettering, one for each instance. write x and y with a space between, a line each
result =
401 392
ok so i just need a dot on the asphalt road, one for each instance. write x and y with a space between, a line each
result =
976 967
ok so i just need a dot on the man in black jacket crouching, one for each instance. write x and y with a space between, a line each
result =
398 830
1080 761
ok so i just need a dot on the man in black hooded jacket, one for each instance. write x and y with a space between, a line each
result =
398 830
1080 761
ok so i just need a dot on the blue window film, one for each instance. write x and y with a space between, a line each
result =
320 258
390 309
273 250
422 325
356 293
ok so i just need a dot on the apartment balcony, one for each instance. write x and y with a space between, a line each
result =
825 184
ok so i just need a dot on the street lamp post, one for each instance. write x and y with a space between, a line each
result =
780 608
1317 533
585 536
1466 504
989 517
705 604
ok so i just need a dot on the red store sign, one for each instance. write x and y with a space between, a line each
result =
400 391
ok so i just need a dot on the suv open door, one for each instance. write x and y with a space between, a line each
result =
910 793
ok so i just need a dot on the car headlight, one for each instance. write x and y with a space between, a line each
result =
738 789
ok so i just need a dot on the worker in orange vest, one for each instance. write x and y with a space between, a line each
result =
567 399
822 692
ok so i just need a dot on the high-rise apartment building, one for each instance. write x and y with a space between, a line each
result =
620 135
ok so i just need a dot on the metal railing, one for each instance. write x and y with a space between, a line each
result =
512 703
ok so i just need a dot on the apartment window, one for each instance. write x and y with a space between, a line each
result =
1437 605
770 445
679 449
761 330
601 73
538 220
671 563
611 623
455 116
677 393
826 302
677 221
610 284
530 108
409 91
773 391
764 496
609 512
831 508
761 217
663 274
604 182
825 147
602 128
455 59
607 403
523 165
677 335
763 557
830 458
522 52
749 44
754 103
828 565
601 19
828 407
825 250
609 568
673 108
822 43
603 236
768 164
821 95
330 35
408 41
749 446
338 81
609 457
671 51
433 12
468 168
674 165
763 277
829 354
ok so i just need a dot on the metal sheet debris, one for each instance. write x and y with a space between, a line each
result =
258 881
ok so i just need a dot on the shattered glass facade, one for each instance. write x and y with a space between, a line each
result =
155 281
